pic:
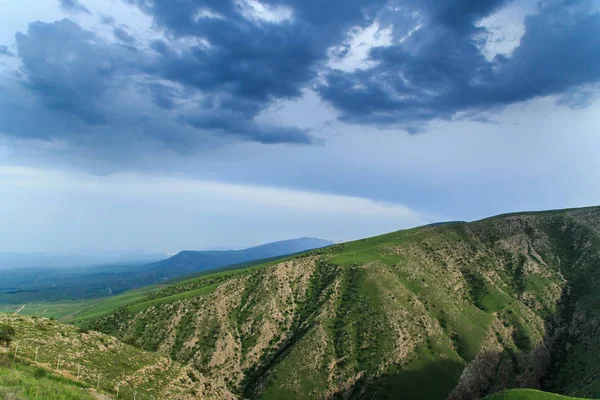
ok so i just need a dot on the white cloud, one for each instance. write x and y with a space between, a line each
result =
357 47
506 27
54 211
207 13
256 11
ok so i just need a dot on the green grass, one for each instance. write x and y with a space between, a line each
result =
20 381
430 374
527 394
79 310
58 310
99 308
92 355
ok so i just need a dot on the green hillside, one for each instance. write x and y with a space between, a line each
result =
49 309
77 310
448 311
527 394
69 357
21 381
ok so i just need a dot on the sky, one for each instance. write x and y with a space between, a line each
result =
162 125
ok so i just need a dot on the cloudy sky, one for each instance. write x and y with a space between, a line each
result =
163 125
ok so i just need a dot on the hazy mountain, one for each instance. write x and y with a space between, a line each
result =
51 284
187 262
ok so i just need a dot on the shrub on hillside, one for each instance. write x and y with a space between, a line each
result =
6 334
39 373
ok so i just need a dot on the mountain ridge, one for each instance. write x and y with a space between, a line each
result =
454 310
190 261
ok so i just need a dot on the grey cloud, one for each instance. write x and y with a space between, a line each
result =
4 51
236 67
107 20
70 69
440 72
73 6
124 36
87 82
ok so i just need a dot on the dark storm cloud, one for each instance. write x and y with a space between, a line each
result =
440 71
235 64
222 63
230 126
80 76
163 96
259 61
73 6
70 69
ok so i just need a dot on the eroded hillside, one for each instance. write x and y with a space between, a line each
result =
101 361
458 310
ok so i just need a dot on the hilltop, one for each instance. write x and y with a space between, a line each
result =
87 359
457 310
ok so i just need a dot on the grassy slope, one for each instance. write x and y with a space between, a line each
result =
527 394
20 381
76 311
93 355
177 289
58 310
98 308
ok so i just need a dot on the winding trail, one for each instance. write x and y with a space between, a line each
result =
20 309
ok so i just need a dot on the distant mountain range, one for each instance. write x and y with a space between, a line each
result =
187 262
53 283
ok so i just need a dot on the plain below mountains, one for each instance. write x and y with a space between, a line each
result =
47 284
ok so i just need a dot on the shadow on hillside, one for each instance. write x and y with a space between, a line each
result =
558 337
434 381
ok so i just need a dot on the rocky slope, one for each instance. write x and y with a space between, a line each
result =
451 311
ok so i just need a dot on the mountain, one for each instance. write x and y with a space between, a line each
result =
187 262
457 311
18 286
71 359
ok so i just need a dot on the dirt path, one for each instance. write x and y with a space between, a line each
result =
20 309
